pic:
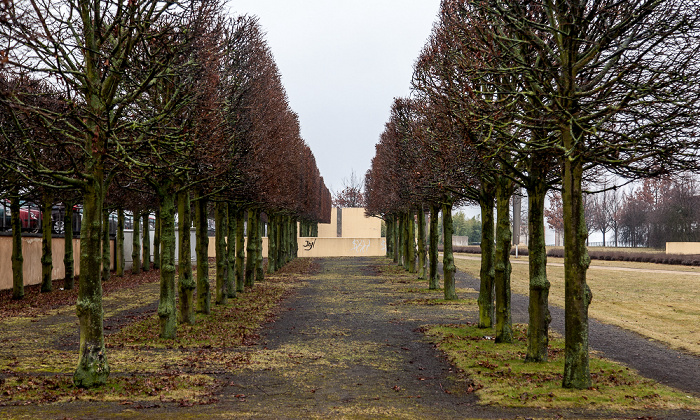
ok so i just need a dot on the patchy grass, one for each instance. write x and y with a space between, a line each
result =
500 376
660 306
39 345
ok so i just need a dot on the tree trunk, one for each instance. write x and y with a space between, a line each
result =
105 245
504 324
157 238
487 273
46 236
271 244
403 261
448 262
396 229
17 257
231 253
93 368
240 250
119 260
434 282
221 219
186 282
146 242
167 312
68 260
202 249
250 249
259 271
136 245
389 236
577 294
422 252
538 310
411 241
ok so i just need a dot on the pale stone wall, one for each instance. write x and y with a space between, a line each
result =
342 247
329 230
687 248
354 224
31 267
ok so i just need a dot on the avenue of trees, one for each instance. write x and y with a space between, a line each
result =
151 107
547 96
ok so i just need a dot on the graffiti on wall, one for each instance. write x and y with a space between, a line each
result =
383 245
309 245
360 245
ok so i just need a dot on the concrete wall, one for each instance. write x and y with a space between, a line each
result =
353 224
342 247
688 248
460 241
31 251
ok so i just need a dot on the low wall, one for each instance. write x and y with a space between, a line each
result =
31 267
683 248
342 247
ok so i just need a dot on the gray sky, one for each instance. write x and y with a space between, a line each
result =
342 63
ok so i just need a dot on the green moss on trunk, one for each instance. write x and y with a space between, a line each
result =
156 242
17 257
46 257
166 306
538 310
68 259
240 250
403 261
186 282
231 253
577 294
411 241
448 262
504 324
146 259
259 271
487 273
202 249
272 244
92 369
105 245
119 244
250 249
220 220
136 245
434 279
422 251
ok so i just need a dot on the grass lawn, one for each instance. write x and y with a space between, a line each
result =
661 306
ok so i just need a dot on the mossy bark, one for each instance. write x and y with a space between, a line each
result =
221 221
105 245
403 261
17 257
411 241
68 258
92 369
156 241
272 244
202 249
136 245
146 247
577 294
397 238
295 242
167 313
538 310
231 253
422 251
250 249
186 283
448 262
434 279
46 236
240 250
389 237
119 244
504 324
259 270
487 273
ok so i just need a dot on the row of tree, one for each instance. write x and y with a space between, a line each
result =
153 107
543 95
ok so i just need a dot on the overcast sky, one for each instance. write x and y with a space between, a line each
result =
342 63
